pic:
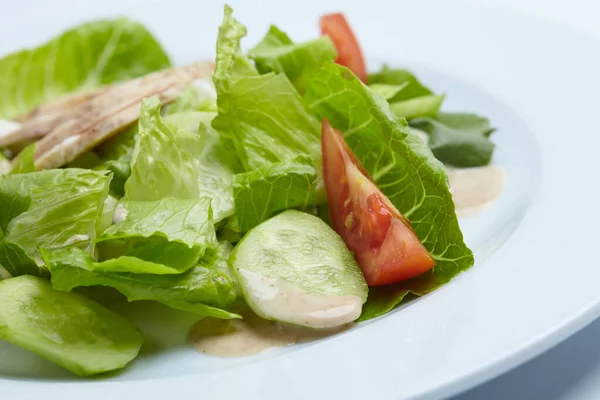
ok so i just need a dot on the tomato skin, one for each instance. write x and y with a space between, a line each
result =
349 53
383 241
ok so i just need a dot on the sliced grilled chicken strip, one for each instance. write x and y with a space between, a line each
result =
61 153
58 106
84 110
110 112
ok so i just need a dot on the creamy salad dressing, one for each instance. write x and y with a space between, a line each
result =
275 296
251 335
473 189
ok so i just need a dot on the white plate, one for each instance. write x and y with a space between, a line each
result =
535 281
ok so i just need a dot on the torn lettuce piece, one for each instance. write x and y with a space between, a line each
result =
207 289
115 155
387 91
108 211
23 162
217 163
48 209
403 168
295 269
261 116
200 95
410 85
277 53
174 233
165 159
459 139
424 106
68 329
85 57
266 191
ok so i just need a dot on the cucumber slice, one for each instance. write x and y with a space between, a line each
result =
66 328
295 269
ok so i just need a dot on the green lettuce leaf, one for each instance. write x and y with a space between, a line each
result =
424 106
405 170
200 95
387 91
23 163
165 159
206 289
277 53
48 209
266 191
262 115
410 87
264 121
86 57
458 139
174 233
115 155
216 164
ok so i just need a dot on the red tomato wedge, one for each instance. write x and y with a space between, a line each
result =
383 241
349 54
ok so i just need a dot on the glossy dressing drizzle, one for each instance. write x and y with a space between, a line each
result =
248 336
473 189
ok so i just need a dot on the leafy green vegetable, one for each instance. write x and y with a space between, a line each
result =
411 87
115 155
205 289
276 52
423 106
65 328
173 232
263 119
458 139
403 168
292 252
262 115
49 209
24 161
264 192
387 91
83 58
200 95
217 163
5 165
165 159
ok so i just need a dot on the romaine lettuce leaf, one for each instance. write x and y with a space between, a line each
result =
404 169
48 209
217 163
175 233
266 191
262 118
276 52
262 115
23 163
66 328
386 90
424 106
200 95
206 289
83 58
410 87
115 156
458 139
165 159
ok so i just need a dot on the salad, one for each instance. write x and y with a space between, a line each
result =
284 187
